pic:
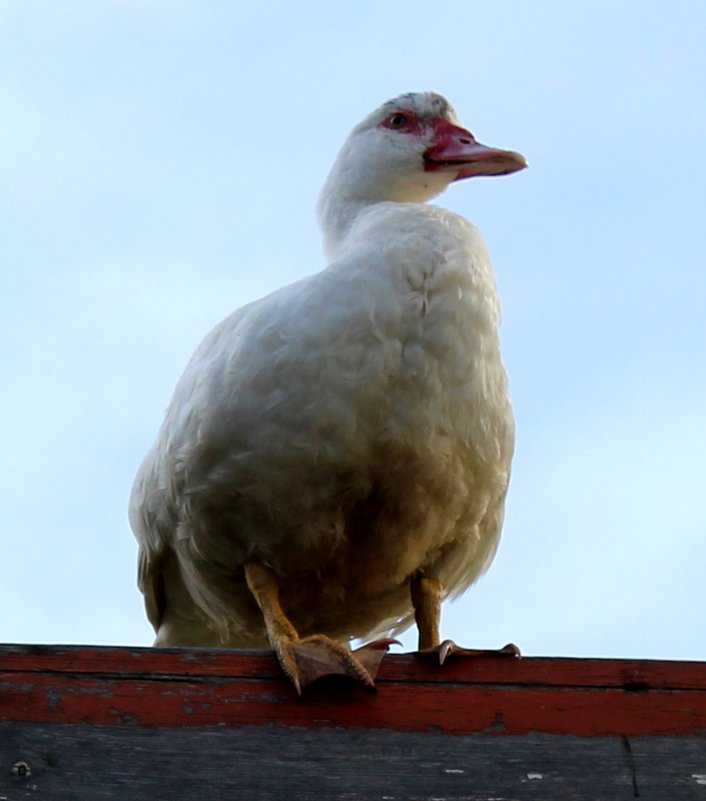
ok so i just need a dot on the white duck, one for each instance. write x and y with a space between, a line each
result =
335 458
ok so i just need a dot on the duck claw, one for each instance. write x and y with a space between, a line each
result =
449 647
318 656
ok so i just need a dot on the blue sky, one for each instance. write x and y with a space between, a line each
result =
160 163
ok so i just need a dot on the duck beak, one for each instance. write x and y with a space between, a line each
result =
456 150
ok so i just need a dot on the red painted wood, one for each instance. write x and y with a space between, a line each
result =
545 671
149 687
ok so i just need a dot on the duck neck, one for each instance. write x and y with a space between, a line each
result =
337 213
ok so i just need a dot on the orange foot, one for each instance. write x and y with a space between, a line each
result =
449 647
310 658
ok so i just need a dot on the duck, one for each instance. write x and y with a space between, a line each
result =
335 459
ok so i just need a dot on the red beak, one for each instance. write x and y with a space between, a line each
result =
456 150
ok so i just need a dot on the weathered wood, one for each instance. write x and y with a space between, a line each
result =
268 763
628 674
183 687
139 723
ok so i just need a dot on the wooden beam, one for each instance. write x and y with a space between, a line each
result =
159 723
189 687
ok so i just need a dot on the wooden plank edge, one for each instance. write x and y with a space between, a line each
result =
452 707
628 674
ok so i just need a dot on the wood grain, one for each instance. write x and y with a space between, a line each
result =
82 723
191 688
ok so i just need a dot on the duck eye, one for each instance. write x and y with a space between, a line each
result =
398 120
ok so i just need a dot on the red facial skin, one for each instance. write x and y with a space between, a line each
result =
455 149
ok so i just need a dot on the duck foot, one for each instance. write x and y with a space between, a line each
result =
449 647
305 659
311 658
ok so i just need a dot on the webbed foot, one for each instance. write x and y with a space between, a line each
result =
449 647
310 658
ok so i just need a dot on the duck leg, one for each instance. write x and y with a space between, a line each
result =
427 592
309 658
426 600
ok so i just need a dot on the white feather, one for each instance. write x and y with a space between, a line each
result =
348 430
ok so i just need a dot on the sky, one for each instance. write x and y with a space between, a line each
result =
159 167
